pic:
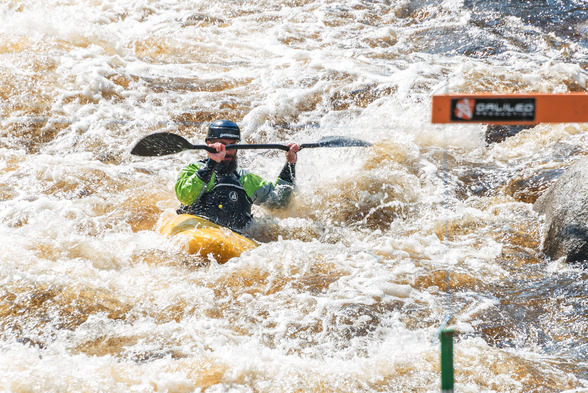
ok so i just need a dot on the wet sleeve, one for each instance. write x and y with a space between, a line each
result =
273 195
288 173
192 180
206 171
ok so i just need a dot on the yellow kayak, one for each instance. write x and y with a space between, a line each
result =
207 238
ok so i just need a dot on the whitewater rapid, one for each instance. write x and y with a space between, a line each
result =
350 284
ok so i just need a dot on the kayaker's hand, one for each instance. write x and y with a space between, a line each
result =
291 155
221 152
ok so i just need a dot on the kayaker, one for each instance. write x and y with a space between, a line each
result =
218 190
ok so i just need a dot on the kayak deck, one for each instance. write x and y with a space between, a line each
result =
207 238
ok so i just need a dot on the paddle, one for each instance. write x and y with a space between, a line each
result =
163 143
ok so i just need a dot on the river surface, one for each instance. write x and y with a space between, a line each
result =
432 226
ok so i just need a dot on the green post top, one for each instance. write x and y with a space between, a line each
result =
446 338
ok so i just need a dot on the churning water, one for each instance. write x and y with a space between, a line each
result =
381 245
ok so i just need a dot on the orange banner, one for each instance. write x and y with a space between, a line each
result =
510 108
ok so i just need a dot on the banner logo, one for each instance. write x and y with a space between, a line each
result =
493 109
464 109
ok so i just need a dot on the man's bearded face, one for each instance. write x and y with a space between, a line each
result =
228 164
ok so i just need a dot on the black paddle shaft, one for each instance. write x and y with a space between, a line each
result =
164 143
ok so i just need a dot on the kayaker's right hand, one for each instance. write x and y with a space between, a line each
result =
221 152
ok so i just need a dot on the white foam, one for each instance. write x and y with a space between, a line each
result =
344 300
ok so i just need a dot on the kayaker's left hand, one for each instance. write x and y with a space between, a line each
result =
291 155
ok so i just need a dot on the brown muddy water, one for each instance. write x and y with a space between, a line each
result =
381 245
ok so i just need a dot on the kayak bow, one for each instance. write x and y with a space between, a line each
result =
203 237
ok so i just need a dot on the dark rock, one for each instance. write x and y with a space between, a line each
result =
565 206
498 133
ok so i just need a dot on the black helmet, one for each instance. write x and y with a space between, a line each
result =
223 129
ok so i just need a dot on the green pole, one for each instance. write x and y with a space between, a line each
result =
446 361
